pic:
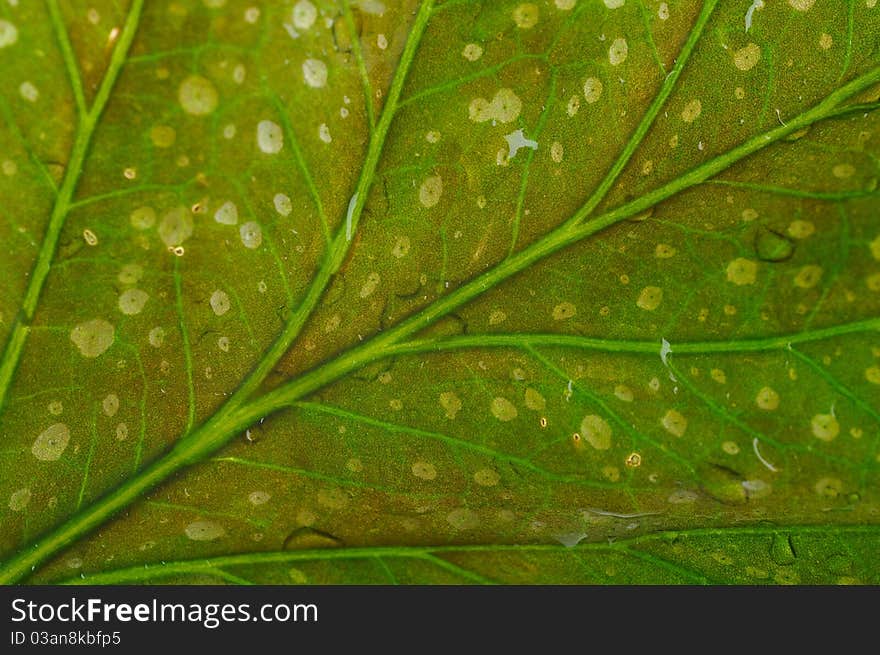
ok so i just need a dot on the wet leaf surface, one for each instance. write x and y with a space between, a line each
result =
564 291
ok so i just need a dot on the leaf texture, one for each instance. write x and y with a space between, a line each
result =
427 292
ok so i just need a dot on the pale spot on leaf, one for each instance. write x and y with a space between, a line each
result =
618 51
156 337
204 530
692 111
424 470
463 519
801 229
472 52
596 431
767 399
624 393
143 218
258 497
304 14
451 404
487 477
51 443
227 213
802 5
270 137
742 271
525 15
251 235
93 337
825 427
430 191
315 73
401 247
197 95
534 400
370 285
843 171
282 203
110 404
650 298
593 89
674 423
163 136
132 301
29 92
505 107
8 33
563 311
220 302
19 499
503 409
176 227
747 58
808 276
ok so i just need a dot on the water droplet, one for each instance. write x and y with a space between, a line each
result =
773 247
782 550
306 537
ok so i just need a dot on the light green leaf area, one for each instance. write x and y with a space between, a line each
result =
563 291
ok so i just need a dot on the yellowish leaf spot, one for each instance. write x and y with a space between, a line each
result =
503 409
618 51
197 95
270 137
808 277
534 400
204 530
593 89
315 73
596 431
692 111
451 404
430 191
487 477
742 271
19 499
563 311
650 298
93 337
220 302
424 470
472 52
767 399
51 443
825 427
674 423
525 15
747 58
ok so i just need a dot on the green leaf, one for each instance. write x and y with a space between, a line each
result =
558 291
